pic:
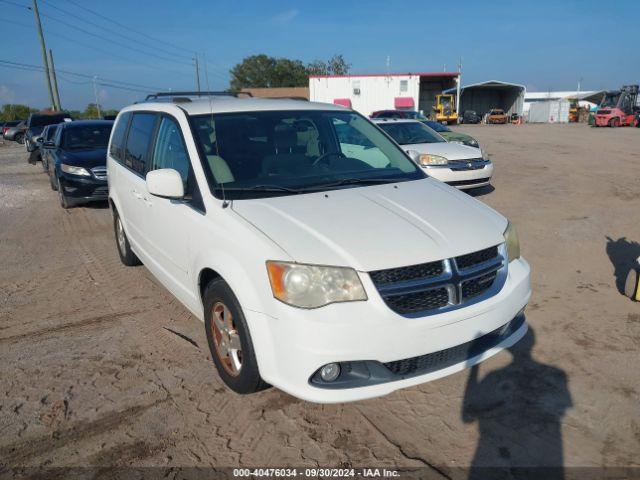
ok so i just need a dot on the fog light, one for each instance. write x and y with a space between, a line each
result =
330 372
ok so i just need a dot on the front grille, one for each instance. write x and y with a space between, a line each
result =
472 259
445 358
443 285
403 274
468 182
471 164
419 301
99 172
477 286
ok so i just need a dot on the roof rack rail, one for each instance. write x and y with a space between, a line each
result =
184 95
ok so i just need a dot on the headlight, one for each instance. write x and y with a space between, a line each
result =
427 160
74 170
485 155
313 286
473 143
512 242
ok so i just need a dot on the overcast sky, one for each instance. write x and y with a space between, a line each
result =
150 45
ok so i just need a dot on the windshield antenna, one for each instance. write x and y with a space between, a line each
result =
225 202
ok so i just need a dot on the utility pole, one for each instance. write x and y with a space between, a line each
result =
458 89
195 59
43 47
55 82
95 95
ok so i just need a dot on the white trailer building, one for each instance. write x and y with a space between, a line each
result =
371 92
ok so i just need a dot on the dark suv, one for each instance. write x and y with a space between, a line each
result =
35 125
77 159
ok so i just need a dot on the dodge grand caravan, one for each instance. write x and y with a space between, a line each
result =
321 259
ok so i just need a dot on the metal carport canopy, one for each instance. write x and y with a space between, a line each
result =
482 97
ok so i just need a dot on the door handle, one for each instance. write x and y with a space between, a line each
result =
136 194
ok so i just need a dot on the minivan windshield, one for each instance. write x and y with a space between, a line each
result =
411 133
86 137
270 153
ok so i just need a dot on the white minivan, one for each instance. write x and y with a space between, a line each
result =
321 259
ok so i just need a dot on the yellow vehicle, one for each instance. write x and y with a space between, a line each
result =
632 284
445 109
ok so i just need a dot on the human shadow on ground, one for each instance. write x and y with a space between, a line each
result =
623 254
519 409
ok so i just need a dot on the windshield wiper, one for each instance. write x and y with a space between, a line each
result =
260 188
356 181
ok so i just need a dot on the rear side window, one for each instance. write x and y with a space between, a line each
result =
139 141
117 139
170 151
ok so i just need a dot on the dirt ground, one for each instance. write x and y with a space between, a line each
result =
94 373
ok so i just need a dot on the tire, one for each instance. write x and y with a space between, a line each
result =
32 159
614 122
64 200
19 138
226 326
127 257
52 182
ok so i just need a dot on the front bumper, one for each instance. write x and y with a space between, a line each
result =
293 345
603 120
83 189
462 179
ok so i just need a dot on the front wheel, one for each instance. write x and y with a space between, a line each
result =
64 200
614 122
229 339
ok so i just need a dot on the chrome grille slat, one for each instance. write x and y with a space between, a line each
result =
482 277
99 172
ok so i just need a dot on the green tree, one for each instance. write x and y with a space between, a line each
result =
263 71
11 111
253 72
337 65
91 112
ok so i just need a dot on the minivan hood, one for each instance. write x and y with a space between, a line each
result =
450 151
377 227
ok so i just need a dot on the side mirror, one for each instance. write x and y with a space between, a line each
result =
39 140
165 183
49 144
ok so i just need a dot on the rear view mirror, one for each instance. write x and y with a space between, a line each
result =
165 183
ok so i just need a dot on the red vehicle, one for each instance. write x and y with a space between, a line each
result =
618 107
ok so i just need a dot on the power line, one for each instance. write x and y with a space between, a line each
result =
126 27
106 39
110 52
138 32
62 77
16 4
109 30
98 49
80 75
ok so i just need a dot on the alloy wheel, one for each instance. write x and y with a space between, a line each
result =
120 237
226 339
